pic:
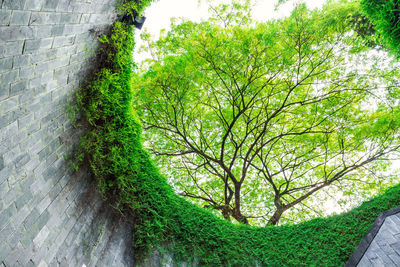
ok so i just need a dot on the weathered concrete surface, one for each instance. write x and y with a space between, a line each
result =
50 215
384 249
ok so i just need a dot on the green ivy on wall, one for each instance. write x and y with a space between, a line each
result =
127 177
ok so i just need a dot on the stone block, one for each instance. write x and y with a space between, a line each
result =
20 17
19 87
15 237
5 173
21 61
5 16
5 250
26 73
44 56
36 45
43 31
7 231
25 121
4 93
31 219
13 48
14 33
42 220
21 160
6 215
24 199
9 77
61 41
35 82
12 196
34 4
13 4
50 5
6 64
39 239
44 203
9 104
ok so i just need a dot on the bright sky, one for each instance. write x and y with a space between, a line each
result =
159 14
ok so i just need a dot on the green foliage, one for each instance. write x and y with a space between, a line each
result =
131 6
125 173
252 121
386 16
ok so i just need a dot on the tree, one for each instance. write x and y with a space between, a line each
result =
253 120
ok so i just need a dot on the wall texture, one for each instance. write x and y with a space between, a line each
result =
50 215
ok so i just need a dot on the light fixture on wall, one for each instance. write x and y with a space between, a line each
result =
134 19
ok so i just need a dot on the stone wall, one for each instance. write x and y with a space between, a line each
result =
49 214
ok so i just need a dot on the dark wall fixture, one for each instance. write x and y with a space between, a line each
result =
134 19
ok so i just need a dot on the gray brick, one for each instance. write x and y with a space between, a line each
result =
50 5
6 215
2 50
85 18
36 45
12 195
31 45
4 120
28 237
35 82
13 48
15 115
44 56
42 220
9 77
13 4
24 199
4 250
22 160
39 239
27 182
9 104
5 64
20 17
1 163
44 203
4 187
43 31
17 88
16 236
57 30
21 61
44 18
26 73
61 41
5 173
7 231
14 33
24 121
31 219
5 16
34 4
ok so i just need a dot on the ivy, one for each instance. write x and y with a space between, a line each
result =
126 176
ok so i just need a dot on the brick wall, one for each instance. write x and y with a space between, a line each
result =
50 215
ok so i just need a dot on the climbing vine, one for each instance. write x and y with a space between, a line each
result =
126 176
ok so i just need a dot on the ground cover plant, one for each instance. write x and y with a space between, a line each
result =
128 178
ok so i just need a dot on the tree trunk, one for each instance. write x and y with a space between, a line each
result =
236 212
276 217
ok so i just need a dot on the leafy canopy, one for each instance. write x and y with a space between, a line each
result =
254 119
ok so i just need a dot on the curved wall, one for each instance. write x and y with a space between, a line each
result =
50 215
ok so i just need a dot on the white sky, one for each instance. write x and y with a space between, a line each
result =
159 14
